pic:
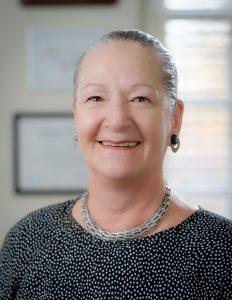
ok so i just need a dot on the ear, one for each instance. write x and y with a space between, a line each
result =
74 113
74 106
177 116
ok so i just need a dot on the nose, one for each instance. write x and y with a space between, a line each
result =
118 116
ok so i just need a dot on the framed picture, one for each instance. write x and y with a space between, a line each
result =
52 56
45 158
31 2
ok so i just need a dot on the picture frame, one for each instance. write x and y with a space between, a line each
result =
52 55
65 2
45 158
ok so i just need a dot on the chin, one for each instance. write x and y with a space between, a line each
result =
119 174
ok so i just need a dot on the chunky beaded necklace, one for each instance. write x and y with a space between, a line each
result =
127 234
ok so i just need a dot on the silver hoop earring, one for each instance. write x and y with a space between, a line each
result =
175 143
75 140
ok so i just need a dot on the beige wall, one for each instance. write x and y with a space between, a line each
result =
16 97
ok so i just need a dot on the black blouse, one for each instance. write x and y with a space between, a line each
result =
48 255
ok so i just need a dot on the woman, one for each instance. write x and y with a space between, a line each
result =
129 237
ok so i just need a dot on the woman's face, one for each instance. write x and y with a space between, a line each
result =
122 115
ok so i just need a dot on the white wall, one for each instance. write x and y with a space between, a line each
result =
14 94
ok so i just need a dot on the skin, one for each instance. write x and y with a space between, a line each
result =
121 98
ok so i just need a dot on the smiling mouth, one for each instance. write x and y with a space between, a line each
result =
128 144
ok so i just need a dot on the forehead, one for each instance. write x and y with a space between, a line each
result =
120 47
124 58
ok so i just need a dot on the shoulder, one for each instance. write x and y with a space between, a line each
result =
209 226
27 242
211 235
213 223
38 223
48 214
207 232
213 248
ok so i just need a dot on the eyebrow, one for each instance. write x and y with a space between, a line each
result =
142 84
92 84
154 89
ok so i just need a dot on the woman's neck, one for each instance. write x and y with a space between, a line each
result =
122 205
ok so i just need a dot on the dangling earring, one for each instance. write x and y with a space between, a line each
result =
75 140
175 143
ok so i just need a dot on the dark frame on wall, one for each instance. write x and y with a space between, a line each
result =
45 160
64 2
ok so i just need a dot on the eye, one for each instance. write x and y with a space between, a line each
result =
94 99
141 99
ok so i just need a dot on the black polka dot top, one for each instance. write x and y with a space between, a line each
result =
48 255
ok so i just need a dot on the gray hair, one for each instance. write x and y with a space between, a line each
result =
145 40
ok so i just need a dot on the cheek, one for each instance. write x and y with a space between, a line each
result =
158 124
86 124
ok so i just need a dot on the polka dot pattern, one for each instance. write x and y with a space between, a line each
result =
47 255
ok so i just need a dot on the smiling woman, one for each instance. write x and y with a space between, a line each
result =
129 236
119 92
119 97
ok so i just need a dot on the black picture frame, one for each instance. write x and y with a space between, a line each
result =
45 159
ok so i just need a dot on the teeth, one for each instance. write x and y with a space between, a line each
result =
126 144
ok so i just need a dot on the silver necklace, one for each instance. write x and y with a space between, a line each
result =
127 234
